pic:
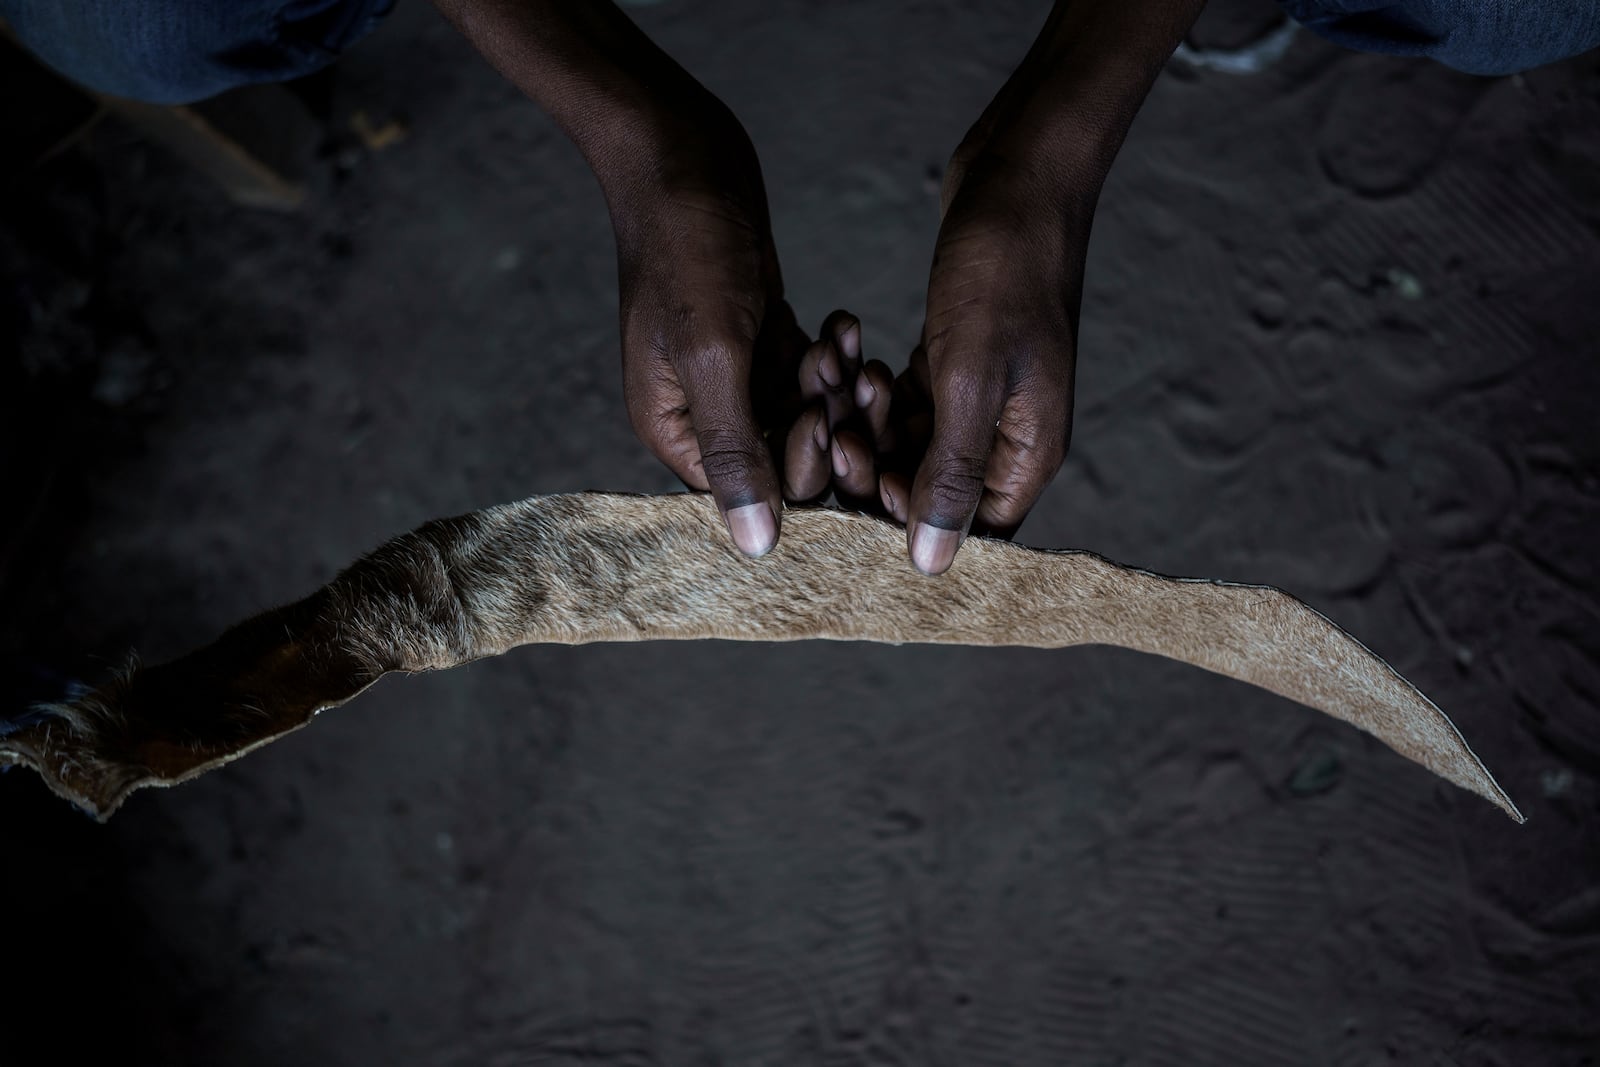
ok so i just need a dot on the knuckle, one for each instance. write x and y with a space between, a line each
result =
955 486
728 457
652 416
837 319
688 334
1042 441
1040 411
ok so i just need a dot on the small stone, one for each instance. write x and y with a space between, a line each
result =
509 259
1557 782
1408 285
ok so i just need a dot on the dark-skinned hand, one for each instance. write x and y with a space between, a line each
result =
983 414
842 428
709 345
719 380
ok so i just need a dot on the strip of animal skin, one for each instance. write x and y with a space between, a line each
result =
590 567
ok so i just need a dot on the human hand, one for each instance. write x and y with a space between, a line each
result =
999 342
709 345
841 430
994 368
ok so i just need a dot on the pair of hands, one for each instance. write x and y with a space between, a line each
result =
724 386
721 382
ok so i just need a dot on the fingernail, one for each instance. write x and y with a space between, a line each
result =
933 549
865 393
754 529
841 465
828 368
850 342
820 434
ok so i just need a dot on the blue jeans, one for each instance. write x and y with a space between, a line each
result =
175 51
179 51
1475 36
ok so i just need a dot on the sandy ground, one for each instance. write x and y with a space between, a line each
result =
1339 335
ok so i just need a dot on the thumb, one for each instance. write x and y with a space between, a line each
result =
733 452
950 479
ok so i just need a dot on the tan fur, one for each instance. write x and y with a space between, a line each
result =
610 567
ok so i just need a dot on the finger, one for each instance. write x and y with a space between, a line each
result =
806 468
659 415
894 490
855 474
844 330
823 378
968 396
918 371
874 388
1029 448
912 405
734 456
781 329
780 346
910 423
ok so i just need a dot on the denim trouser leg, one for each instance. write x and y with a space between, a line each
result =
1475 36
172 51
177 51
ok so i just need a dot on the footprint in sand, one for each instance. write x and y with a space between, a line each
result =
1438 489
1375 149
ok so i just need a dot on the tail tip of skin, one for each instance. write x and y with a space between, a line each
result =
1477 779
1507 805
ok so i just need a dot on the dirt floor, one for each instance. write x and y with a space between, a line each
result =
1340 335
